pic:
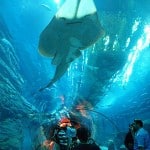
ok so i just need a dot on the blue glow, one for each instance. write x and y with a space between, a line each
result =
93 48
57 1
106 39
135 26
142 43
106 42
147 32
107 102
128 42
115 44
131 61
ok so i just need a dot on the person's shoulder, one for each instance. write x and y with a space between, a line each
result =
95 147
143 131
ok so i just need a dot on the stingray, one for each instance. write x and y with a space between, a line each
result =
75 27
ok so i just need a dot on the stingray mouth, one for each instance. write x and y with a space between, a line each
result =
74 22
45 52
70 21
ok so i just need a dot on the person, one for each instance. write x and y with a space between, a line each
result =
85 143
129 138
64 134
141 138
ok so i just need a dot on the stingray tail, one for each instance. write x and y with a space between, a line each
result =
60 70
47 86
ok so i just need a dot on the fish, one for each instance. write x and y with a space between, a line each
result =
74 27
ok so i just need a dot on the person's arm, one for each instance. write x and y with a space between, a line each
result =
141 142
97 147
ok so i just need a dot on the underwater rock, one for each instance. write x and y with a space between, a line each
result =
14 107
10 134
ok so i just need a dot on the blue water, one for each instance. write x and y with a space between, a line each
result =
110 79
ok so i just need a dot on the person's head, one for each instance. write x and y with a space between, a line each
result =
137 124
131 127
83 134
64 122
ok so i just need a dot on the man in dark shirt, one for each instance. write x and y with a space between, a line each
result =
83 135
